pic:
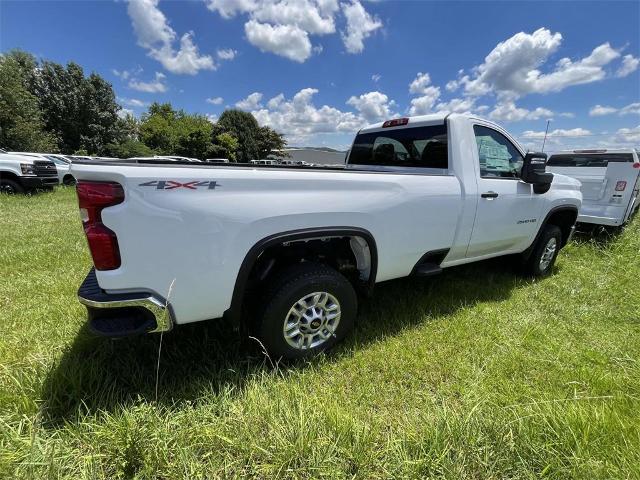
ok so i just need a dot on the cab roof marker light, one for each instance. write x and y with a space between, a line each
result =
396 122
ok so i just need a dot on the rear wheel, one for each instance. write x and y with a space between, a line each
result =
309 308
541 261
10 187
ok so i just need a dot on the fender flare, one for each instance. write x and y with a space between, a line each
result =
554 210
234 311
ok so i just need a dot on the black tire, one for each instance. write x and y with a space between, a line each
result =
10 187
551 238
290 287
69 180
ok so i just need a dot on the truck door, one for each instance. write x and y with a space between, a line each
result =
508 211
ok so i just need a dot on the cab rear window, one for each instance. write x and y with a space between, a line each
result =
588 160
422 147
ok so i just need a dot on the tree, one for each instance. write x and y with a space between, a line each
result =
270 141
175 132
128 148
81 111
244 127
21 125
228 144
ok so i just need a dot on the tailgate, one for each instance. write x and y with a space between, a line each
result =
594 180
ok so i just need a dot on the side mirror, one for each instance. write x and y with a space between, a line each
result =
533 171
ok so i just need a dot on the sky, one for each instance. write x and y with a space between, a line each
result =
318 70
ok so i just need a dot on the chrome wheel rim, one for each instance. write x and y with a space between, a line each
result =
312 320
548 253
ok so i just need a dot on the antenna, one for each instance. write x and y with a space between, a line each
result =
544 140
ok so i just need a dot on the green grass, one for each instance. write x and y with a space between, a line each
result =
477 373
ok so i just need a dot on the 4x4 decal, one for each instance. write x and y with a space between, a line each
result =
172 184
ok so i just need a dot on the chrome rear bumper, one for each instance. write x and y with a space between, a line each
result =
125 313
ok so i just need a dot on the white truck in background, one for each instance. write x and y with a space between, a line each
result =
23 174
286 249
610 183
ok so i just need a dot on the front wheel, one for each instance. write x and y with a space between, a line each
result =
309 308
10 187
541 261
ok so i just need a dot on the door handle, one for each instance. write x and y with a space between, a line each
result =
489 195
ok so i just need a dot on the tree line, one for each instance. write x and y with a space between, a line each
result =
48 107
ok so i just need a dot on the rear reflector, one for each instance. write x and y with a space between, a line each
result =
396 122
620 186
93 197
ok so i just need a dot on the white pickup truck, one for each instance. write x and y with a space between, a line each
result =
286 249
610 183
20 174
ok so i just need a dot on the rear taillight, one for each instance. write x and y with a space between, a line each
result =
620 186
636 165
93 197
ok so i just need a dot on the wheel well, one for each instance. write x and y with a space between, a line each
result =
352 253
564 219
68 176
10 176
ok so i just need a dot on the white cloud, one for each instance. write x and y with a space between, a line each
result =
451 86
211 117
288 41
629 65
125 112
158 38
283 27
511 69
229 8
424 104
628 135
373 106
459 105
215 100
156 85
508 111
132 102
631 109
376 77
599 110
558 132
226 53
300 119
567 115
276 101
315 18
429 94
420 84
360 25
252 102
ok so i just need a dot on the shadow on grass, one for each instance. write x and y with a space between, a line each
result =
598 235
211 357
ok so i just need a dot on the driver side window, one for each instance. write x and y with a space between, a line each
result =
499 158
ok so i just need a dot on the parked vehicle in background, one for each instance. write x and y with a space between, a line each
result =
217 160
20 174
62 165
288 248
610 183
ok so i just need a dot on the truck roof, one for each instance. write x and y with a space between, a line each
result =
596 151
422 120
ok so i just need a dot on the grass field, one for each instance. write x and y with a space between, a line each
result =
476 374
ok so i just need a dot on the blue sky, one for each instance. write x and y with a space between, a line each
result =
318 70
